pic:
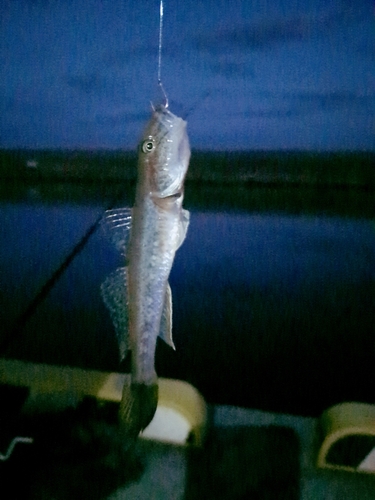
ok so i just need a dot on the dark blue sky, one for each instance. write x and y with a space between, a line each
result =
248 74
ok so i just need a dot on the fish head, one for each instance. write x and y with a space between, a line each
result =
164 153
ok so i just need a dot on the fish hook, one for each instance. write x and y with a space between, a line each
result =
166 102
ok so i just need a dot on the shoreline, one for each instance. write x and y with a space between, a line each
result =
328 169
288 199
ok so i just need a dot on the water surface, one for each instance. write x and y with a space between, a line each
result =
273 293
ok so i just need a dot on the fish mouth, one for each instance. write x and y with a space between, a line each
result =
171 155
177 125
168 120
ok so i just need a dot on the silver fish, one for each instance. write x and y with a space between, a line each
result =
138 296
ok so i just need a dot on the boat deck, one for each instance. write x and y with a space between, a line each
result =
77 453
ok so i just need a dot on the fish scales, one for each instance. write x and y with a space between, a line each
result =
138 296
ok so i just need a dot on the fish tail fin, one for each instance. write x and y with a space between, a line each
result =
137 407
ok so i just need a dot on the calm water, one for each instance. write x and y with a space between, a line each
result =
273 297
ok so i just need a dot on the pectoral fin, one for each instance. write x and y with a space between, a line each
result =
117 223
166 319
113 290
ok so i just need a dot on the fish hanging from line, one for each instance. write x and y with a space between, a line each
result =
138 296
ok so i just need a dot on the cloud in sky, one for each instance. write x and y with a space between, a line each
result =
307 103
82 73
85 83
270 32
252 36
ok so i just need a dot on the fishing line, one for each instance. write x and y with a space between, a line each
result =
161 18
160 83
160 40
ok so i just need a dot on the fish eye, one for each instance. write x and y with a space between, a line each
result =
148 145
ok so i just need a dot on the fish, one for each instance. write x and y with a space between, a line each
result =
138 295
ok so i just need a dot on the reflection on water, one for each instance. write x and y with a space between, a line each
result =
261 250
268 306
